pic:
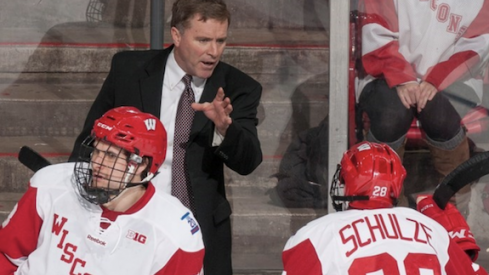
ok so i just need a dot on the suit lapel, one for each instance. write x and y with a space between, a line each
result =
151 84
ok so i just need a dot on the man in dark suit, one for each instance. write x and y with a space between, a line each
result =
224 125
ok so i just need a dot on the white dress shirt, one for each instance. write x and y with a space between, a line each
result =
173 87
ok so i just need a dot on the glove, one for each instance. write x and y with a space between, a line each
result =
453 222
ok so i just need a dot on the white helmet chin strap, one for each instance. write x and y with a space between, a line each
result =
148 177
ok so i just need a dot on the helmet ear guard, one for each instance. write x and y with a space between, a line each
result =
341 202
370 176
132 165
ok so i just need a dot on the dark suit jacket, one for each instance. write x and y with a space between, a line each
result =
136 79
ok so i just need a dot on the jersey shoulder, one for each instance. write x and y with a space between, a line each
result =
315 229
55 175
414 214
174 220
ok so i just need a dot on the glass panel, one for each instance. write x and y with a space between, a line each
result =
286 50
421 86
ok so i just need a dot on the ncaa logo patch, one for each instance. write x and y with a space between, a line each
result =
194 227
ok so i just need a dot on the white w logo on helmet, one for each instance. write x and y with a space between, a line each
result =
364 147
150 124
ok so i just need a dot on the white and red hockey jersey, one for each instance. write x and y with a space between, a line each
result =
438 41
394 241
52 230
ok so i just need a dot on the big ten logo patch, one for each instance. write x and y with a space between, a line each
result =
138 237
194 226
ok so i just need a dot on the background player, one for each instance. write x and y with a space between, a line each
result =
101 215
373 235
424 59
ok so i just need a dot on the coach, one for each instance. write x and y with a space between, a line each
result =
222 125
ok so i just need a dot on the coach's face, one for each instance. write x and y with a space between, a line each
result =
199 48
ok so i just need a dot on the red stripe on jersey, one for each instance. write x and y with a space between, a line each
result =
382 13
183 263
446 73
19 236
302 259
459 262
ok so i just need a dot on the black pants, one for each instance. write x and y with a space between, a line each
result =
440 119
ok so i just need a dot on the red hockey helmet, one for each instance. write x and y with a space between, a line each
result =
139 138
370 176
134 131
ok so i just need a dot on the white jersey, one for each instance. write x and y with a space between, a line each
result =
438 41
394 241
52 230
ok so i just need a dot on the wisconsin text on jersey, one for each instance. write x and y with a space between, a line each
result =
377 227
444 15
68 248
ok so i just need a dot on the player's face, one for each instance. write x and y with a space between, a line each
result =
198 48
109 165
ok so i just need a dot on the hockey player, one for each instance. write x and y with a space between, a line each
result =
102 215
373 236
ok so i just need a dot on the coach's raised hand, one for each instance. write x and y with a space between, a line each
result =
218 111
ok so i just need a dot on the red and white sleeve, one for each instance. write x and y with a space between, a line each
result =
380 46
460 263
183 263
19 233
471 49
301 259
